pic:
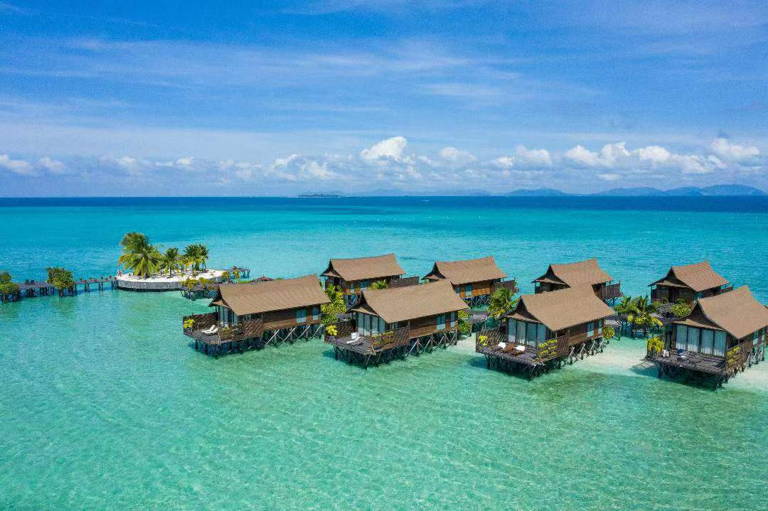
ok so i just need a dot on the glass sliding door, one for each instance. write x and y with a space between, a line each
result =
520 332
707 341
720 339
511 330
693 339
530 334
681 337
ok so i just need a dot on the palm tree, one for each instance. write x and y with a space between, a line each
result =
171 260
641 314
502 301
139 256
623 309
197 254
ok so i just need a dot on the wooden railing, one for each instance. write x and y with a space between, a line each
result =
610 291
201 321
390 339
491 337
505 284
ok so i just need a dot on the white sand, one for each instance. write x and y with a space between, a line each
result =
177 277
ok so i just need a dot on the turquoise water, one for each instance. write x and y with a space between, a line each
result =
104 405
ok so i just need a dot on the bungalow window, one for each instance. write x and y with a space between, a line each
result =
511 330
530 334
315 313
681 337
707 341
453 319
719 343
441 322
468 290
520 332
301 315
541 333
693 339
590 329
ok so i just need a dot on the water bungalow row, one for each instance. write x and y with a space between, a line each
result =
567 318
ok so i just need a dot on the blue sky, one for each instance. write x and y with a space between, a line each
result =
282 97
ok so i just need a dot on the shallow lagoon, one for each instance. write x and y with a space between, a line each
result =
104 404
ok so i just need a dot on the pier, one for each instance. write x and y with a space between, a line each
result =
36 288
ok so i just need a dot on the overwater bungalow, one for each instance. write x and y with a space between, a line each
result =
546 330
474 280
354 275
395 322
258 314
581 273
689 282
724 333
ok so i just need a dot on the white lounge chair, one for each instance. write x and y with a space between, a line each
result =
212 330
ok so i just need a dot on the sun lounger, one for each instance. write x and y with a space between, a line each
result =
212 330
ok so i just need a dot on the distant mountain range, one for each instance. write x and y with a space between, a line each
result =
688 191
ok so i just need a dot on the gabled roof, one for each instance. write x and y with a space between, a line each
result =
698 276
271 295
737 312
576 274
466 271
410 302
563 308
364 268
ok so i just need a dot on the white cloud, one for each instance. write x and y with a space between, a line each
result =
456 156
524 158
51 165
20 167
390 148
734 152
609 176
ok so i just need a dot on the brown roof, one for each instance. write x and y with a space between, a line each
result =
271 295
737 312
699 276
466 271
576 274
564 308
363 268
411 302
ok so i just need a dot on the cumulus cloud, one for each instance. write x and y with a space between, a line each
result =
391 148
524 158
387 164
20 167
726 150
618 158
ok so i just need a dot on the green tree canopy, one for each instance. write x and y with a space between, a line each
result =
60 278
502 301
139 256
331 311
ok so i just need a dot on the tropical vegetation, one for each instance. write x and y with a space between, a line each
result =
143 259
638 313
681 309
139 256
329 312
379 284
465 327
7 286
60 278
196 255
501 302
654 345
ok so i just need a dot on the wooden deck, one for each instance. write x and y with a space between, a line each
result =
36 288
691 361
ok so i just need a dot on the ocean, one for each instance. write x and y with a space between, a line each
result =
104 405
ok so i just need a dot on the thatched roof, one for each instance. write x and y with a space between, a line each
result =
698 276
410 302
563 308
737 312
466 271
576 274
364 268
272 295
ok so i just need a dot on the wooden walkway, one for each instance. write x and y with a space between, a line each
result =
35 288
